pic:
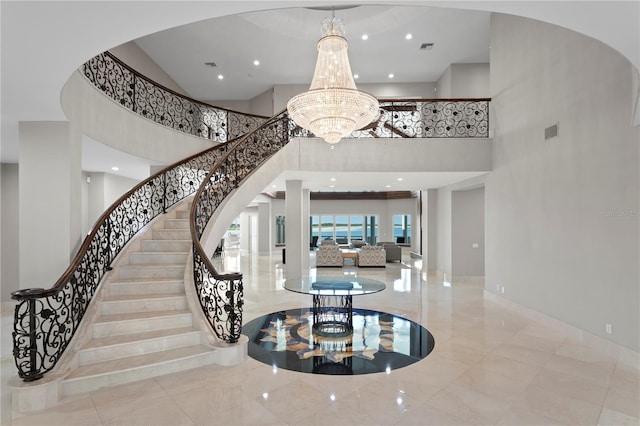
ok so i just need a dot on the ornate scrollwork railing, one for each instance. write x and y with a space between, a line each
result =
429 118
221 295
46 320
151 100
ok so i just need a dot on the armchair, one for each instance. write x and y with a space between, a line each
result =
328 255
372 256
393 251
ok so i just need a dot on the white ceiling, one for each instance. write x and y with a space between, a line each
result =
284 41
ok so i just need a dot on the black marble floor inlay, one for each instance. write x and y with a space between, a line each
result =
380 342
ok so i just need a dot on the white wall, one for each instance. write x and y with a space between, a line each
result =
467 230
443 85
562 216
94 114
103 190
464 81
9 231
131 54
258 105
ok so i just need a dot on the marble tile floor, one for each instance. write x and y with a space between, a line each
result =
490 365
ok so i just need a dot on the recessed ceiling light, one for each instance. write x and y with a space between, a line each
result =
400 179
115 168
256 62
332 186
391 76
387 186
356 76
332 179
408 36
220 76
273 186
365 37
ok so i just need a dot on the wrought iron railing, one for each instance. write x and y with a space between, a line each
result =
404 118
429 118
151 100
46 320
221 295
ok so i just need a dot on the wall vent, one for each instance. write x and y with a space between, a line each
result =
426 46
211 64
551 132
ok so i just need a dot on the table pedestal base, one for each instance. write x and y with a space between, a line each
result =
332 315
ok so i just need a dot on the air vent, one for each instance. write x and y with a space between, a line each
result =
211 64
551 132
426 46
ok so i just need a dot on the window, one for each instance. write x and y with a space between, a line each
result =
344 228
402 229
355 228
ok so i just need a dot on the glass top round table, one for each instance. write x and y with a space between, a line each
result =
333 301
328 286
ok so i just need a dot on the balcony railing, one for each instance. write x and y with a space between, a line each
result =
151 100
405 118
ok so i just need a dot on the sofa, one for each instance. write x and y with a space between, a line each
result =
356 244
328 255
372 256
394 251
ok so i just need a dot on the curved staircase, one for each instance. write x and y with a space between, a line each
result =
144 327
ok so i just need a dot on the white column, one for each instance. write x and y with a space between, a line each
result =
306 227
245 232
429 229
49 201
264 227
294 229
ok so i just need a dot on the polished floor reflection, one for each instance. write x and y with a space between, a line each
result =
490 365
380 342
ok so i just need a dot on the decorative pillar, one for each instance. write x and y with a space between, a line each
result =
294 229
264 227
306 227
49 200
429 229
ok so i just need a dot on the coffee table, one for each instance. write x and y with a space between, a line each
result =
333 301
350 254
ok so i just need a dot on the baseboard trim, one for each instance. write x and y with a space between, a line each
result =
598 344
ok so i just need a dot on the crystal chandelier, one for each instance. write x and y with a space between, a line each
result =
332 108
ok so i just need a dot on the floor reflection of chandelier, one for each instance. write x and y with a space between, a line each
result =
333 107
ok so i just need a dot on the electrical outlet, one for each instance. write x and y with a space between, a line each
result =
609 329
502 289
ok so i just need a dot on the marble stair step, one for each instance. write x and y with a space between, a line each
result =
151 271
183 214
165 245
144 287
138 322
128 345
113 305
90 377
170 234
176 224
146 258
